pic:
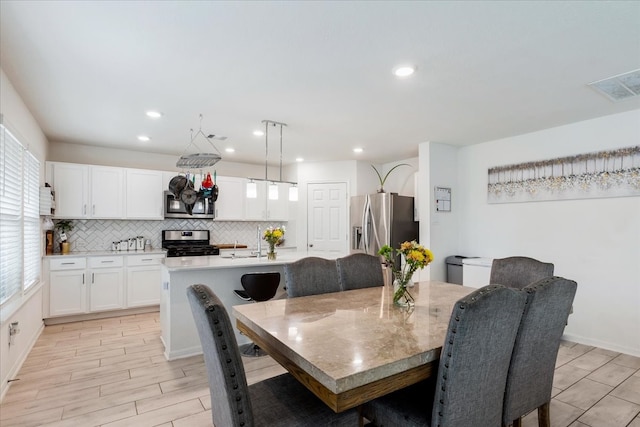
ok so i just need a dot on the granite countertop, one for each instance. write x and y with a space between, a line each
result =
106 253
225 261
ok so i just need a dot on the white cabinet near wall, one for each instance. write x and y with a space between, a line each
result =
106 283
107 192
231 198
79 285
71 185
144 194
67 286
87 191
144 280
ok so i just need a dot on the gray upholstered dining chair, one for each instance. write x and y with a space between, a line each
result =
519 271
311 276
534 355
278 401
472 372
357 271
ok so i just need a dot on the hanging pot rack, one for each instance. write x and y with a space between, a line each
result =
200 159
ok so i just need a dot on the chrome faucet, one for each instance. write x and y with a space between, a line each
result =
259 249
235 245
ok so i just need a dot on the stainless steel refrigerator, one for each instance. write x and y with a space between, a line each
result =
381 219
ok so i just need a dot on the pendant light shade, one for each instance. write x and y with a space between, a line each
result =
273 191
293 193
252 190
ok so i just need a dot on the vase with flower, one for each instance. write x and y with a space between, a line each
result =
413 257
274 237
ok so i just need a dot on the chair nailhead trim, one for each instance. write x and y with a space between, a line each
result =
216 321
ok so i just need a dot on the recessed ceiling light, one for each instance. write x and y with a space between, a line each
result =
143 138
258 133
404 70
229 150
357 150
154 114
299 159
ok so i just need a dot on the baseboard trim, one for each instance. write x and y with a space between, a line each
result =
16 368
101 315
602 344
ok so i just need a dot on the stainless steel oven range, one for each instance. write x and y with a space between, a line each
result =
179 243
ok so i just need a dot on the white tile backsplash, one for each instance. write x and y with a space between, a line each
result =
97 235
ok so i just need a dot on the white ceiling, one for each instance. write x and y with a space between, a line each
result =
89 70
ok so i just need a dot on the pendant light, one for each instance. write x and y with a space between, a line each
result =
273 192
293 193
252 190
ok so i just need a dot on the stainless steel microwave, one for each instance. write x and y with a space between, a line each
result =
203 208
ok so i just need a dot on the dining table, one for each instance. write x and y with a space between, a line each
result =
353 346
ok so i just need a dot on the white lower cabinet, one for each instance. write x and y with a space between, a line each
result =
144 280
106 284
67 292
79 285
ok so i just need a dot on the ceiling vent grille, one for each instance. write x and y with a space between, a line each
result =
620 87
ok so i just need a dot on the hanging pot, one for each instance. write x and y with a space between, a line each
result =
214 192
177 184
189 208
189 196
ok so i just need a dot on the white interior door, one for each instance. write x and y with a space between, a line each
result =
327 217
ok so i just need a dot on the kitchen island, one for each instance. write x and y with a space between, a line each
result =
220 273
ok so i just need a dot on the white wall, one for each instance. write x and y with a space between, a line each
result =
76 153
402 180
438 230
26 310
595 242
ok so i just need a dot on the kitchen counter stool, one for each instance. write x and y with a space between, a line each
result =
257 287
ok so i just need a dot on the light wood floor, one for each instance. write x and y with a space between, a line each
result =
111 372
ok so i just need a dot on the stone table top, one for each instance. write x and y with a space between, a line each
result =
350 339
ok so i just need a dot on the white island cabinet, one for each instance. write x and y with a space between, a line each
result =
222 275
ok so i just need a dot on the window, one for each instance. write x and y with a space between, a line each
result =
19 220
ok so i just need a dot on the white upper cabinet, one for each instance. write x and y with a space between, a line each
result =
107 192
144 190
103 192
256 207
71 185
263 208
231 198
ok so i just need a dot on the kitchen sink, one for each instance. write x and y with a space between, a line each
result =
239 256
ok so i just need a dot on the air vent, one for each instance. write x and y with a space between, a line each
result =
620 87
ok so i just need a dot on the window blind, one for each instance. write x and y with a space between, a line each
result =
31 219
19 221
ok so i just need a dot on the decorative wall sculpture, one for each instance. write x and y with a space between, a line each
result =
614 173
